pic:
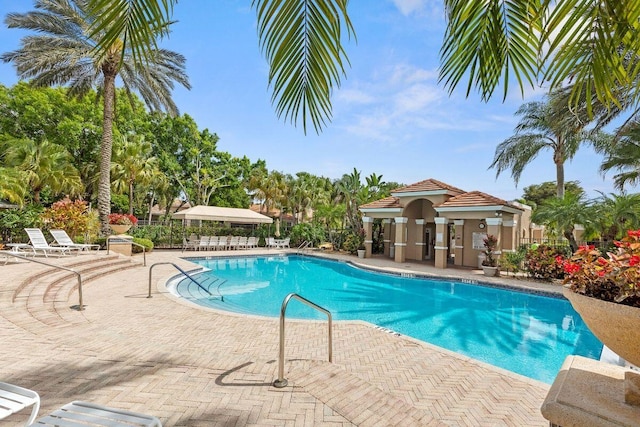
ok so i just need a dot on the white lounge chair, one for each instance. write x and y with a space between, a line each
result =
90 414
271 242
213 243
14 399
63 239
223 243
252 242
39 243
203 245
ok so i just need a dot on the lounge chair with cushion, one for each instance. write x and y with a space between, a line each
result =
63 239
39 243
90 414
14 399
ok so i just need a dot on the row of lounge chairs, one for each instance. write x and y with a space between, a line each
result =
220 243
38 244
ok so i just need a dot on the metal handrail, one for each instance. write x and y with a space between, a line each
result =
281 381
80 306
144 249
218 289
181 271
304 245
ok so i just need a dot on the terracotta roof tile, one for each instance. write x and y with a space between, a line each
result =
387 202
474 198
428 185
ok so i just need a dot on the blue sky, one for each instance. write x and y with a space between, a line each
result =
390 117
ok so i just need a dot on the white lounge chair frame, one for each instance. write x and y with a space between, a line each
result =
90 414
62 238
39 243
14 398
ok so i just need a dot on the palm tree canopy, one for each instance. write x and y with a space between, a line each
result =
63 53
540 41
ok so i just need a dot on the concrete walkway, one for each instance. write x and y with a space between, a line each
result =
195 367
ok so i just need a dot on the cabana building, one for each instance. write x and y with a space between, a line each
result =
431 220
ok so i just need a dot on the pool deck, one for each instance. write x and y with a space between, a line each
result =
191 366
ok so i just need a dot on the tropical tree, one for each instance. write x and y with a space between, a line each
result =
44 165
624 157
592 44
561 215
12 186
543 126
65 52
352 193
617 213
133 164
536 194
301 40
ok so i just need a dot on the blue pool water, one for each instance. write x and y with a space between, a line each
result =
522 332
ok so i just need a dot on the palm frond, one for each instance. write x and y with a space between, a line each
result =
301 40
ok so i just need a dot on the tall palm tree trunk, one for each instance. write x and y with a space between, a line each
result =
104 184
560 179
131 197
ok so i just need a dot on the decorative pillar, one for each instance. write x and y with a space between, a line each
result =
367 222
420 245
509 242
494 227
386 239
458 248
401 239
441 242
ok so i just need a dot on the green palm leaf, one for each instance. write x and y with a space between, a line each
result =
301 40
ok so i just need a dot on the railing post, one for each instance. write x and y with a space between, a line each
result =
282 381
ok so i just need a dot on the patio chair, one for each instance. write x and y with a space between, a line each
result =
14 399
271 242
62 239
252 242
223 243
39 243
88 414
242 242
213 243
234 242
283 243
203 245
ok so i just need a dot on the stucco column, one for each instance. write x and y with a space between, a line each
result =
386 233
509 243
494 227
367 222
420 239
458 249
441 242
401 238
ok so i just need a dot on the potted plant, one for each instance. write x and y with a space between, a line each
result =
490 263
121 223
605 291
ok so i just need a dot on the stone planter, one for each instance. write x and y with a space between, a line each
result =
360 253
489 271
618 327
119 228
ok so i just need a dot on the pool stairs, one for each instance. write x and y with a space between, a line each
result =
45 295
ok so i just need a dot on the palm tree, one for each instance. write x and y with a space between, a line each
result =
491 43
543 126
64 52
44 164
624 156
12 185
562 214
617 213
351 192
133 164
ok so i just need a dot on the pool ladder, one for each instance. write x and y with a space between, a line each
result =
281 381
304 245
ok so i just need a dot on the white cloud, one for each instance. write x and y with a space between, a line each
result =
407 7
355 96
405 73
416 98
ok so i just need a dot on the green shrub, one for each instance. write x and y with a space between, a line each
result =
313 233
511 262
540 262
148 245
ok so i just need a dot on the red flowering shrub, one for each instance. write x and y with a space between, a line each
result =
540 262
615 278
122 219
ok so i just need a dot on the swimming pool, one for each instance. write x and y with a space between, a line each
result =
525 333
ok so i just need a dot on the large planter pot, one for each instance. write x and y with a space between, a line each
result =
119 228
360 253
616 325
489 271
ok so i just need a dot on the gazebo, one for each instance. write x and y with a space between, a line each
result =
222 214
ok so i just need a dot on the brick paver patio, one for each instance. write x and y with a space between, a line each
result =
194 367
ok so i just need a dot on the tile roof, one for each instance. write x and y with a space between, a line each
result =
474 198
428 185
387 202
